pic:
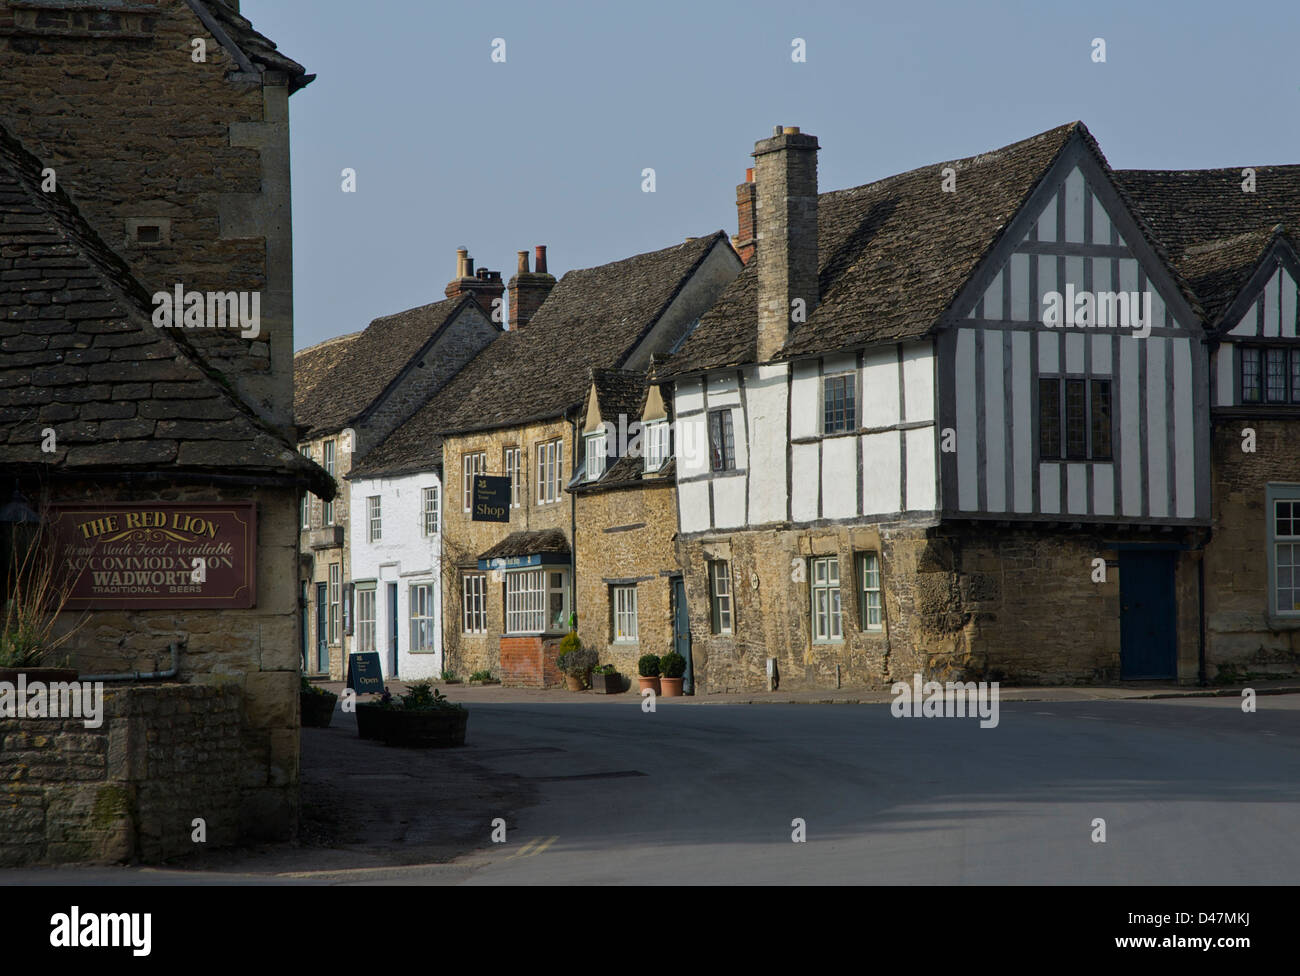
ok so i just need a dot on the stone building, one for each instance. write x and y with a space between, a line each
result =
352 392
141 462
916 459
508 587
628 581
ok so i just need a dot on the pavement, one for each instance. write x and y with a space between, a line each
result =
1192 790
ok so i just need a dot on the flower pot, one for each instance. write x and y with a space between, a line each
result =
574 682
317 710
607 684
38 674
651 683
672 687
425 728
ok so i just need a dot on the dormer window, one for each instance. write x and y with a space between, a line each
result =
655 444
595 448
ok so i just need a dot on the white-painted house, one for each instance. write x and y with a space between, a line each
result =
958 422
395 537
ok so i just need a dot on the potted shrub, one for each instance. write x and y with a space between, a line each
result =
671 668
316 705
605 680
647 669
575 662
425 719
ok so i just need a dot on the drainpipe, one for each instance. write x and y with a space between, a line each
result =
1201 678
140 675
573 527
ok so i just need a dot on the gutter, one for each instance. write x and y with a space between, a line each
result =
140 675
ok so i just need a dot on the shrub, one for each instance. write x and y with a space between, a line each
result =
571 642
481 676
605 669
648 666
578 661
672 665
308 688
422 695
449 675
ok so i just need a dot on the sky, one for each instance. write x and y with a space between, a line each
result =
549 145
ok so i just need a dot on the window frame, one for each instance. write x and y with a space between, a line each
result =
421 625
623 611
511 463
472 464
656 444
374 518
329 459
594 448
1057 424
720 573
426 494
724 438
550 470
848 419
834 609
336 604
473 603
1288 493
866 571
366 594
1259 354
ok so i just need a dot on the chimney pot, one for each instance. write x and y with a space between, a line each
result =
790 130
523 262
461 254
776 130
749 175
539 265
469 267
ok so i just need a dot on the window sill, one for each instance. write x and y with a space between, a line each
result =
828 641
1282 622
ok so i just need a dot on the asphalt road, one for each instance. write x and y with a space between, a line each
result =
1191 791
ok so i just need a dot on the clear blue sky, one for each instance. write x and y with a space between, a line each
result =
548 147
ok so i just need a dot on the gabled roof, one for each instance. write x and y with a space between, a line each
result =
892 256
1215 233
593 318
82 356
252 51
343 377
619 392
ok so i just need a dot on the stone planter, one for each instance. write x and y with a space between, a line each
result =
38 674
317 710
651 683
370 720
425 728
672 687
607 684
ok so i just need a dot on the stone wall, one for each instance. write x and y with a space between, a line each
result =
130 789
627 534
258 649
1007 604
464 539
1240 637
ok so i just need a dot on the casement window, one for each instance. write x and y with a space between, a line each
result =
839 403
722 443
430 510
622 601
365 618
474 603
1270 374
336 600
421 614
474 463
720 596
1283 507
594 446
655 444
1074 419
374 517
827 620
328 511
511 466
550 471
870 613
537 600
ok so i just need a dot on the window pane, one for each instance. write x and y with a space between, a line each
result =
1295 375
1049 418
1250 375
1100 419
1076 430
1275 375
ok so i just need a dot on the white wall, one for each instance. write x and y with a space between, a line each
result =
405 556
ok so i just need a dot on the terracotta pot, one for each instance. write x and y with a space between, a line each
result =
672 687
573 682
651 683
38 674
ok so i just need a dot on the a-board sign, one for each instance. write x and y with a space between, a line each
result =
491 499
364 674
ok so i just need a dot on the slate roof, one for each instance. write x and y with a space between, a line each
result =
81 355
1214 233
538 542
624 392
246 45
341 378
592 320
892 256
619 392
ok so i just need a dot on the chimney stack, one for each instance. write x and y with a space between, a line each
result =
785 168
528 289
484 285
746 202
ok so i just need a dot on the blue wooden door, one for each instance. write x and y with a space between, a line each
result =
392 630
1148 616
322 634
682 635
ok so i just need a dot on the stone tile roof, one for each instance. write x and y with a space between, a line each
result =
342 378
892 256
538 542
1214 233
81 355
619 392
592 319
624 392
246 44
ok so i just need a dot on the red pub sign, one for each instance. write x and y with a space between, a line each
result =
154 556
